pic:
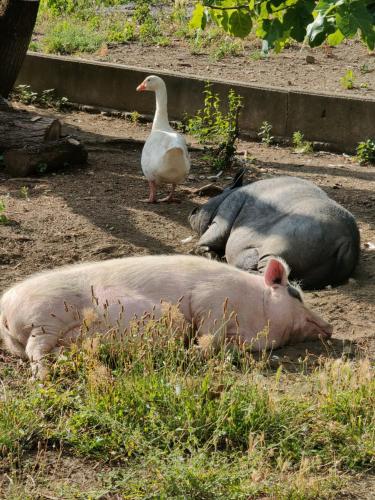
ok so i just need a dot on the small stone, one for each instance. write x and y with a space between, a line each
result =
187 240
352 281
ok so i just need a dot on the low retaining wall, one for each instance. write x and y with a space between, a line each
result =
340 122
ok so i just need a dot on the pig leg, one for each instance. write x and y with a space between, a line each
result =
247 260
39 345
14 346
218 232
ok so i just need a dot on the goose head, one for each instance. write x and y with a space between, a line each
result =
152 83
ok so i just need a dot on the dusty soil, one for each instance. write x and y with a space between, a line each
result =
95 213
288 69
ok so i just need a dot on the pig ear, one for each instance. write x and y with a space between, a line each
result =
276 273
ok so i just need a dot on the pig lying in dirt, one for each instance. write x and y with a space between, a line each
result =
282 216
44 312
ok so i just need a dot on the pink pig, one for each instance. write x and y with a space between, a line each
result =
44 312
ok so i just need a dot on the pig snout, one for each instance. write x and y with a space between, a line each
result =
316 327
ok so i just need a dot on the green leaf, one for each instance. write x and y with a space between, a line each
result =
319 29
273 31
351 17
297 17
335 38
240 23
199 17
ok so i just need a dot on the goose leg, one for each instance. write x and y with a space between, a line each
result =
152 197
170 198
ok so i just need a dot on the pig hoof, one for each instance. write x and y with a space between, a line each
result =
39 372
201 250
211 256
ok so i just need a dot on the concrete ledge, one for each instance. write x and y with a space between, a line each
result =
338 121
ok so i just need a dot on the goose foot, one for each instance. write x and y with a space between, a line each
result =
171 198
152 197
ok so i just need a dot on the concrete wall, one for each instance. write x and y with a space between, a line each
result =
339 121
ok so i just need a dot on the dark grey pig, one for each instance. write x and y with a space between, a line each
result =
286 217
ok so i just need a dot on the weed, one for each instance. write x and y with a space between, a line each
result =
24 94
46 99
265 133
180 19
24 192
150 33
3 218
347 81
134 117
299 143
256 55
220 131
142 12
227 48
120 33
34 46
68 38
366 152
364 69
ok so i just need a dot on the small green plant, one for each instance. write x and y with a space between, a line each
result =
134 117
227 48
46 99
24 192
365 68
34 46
150 33
142 12
216 129
366 152
299 143
121 33
24 94
256 55
3 218
347 81
265 133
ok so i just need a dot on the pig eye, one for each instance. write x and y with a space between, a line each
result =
293 292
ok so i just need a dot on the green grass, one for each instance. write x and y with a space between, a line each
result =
175 423
69 38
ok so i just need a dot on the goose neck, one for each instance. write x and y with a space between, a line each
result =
161 115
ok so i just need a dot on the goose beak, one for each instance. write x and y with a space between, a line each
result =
141 87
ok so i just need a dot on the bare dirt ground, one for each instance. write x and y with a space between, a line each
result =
287 69
95 213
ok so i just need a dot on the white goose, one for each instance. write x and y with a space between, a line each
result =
165 157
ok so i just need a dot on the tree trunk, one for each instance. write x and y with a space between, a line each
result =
17 20
44 157
18 129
